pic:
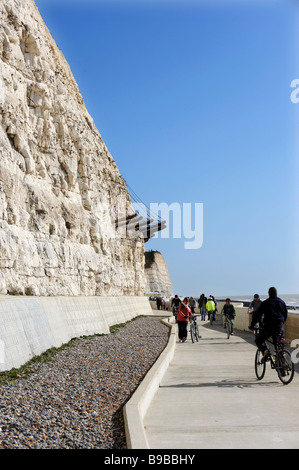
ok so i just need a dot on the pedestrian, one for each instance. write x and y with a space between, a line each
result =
215 302
159 302
192 304
210 308
202 306
183 319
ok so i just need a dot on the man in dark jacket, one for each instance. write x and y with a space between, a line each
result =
274 312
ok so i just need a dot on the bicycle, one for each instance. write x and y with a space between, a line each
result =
175 312
229 325
279 358
257 329
194 333
212 317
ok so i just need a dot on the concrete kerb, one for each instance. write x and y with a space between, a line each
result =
136 408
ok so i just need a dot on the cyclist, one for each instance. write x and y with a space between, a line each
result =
275 313
228 310
211 308
254 304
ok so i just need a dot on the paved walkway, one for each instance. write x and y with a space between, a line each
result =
209 398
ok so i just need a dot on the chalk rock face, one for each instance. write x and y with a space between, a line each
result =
60 189
156 274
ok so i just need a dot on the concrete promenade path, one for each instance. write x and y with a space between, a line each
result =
209 398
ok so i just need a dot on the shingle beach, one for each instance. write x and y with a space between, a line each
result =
76 401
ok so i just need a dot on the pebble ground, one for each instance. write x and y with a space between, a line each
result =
76 401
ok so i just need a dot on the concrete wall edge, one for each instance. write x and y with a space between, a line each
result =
135 409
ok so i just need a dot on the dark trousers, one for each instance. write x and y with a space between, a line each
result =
272 329
182 326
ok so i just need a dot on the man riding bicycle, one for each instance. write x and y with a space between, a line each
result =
274 312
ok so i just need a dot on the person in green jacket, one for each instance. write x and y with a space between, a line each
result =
210 306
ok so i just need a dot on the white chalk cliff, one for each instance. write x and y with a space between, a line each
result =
60 189
156 274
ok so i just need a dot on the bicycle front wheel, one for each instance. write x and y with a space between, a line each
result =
192 332
285 367
260 367
228 328
196 332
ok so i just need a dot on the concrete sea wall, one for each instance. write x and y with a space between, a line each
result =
31 325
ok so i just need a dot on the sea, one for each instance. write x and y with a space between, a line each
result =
292 300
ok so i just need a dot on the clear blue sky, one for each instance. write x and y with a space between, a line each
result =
193 103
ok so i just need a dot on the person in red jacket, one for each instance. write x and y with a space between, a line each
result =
183 318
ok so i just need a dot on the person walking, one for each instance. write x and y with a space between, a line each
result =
215 302
183 319
202 306
192 304
275 313
159 302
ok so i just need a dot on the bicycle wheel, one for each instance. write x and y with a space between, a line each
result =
196 332
228 328
260 367
285 367
211 318
192 333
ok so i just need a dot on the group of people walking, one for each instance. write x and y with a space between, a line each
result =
184 310
207 306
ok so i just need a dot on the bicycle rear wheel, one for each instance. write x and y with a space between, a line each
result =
285 367
211 318
260 367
